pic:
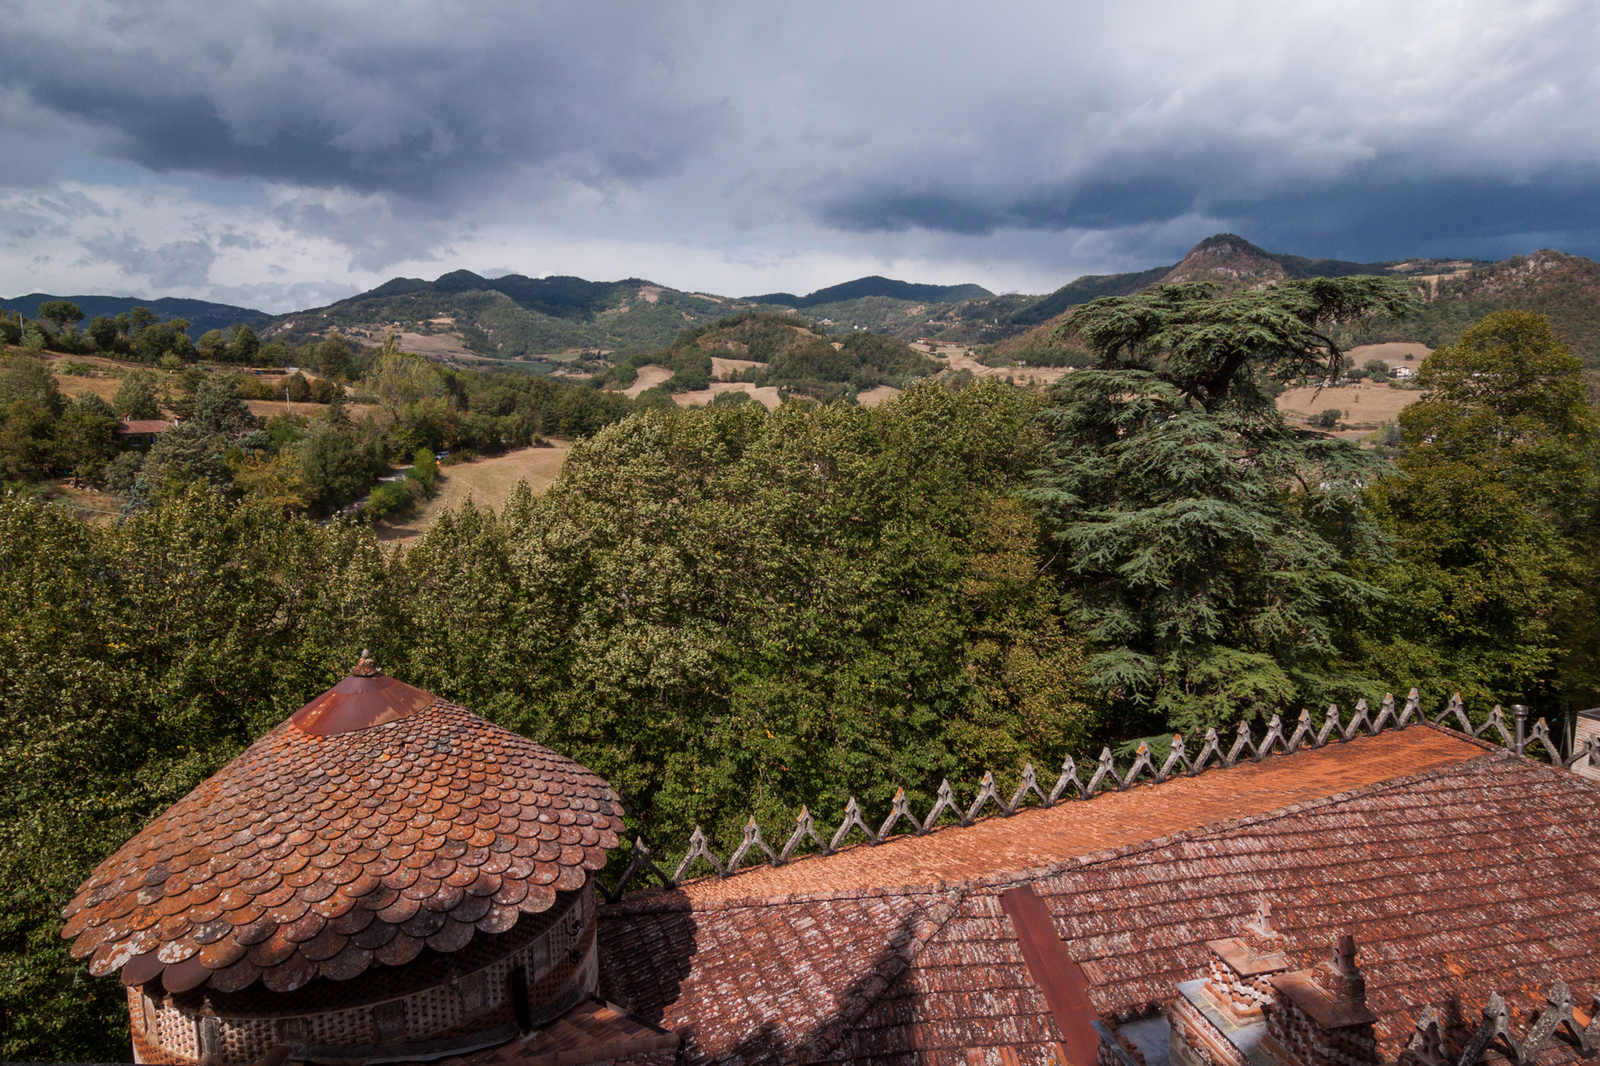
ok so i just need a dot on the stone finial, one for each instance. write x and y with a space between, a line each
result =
365 667
1258 931
1340 975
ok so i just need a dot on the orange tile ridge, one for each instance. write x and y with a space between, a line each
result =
1146 802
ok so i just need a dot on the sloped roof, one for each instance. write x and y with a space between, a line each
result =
1460 869
377 821
134 426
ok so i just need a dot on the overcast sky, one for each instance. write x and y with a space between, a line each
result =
283 155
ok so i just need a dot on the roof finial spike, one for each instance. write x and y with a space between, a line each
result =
365 667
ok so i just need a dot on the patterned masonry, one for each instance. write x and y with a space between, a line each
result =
1102 776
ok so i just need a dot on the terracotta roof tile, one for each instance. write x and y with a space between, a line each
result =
1038 837
300 858
1460 874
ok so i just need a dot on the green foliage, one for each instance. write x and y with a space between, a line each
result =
138 659
62 312
424 468
1210 552
398 379
86 438
718 610
246 346
154 341
336 467
1495 519
798 358
136 396
333 356
103 331
30 404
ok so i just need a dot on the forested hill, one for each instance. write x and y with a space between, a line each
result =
553 320
1564 287
202 315
1225 259
590 325
559 296
875 286
1451 294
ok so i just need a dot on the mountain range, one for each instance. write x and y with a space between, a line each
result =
544 322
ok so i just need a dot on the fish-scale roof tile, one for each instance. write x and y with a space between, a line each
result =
336 843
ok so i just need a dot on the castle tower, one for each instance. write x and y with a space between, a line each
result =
385 874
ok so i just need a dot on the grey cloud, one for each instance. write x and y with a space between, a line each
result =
175 265
1357 128
369 229
419 100
281 294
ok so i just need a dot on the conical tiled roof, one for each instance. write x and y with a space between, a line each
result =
377 820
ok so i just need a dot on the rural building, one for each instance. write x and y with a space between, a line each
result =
141 431
386 877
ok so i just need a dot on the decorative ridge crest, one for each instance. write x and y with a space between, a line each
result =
1106 777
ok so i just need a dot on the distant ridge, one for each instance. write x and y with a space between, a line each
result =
559 296
202 315
875 286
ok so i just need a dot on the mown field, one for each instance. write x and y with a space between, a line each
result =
486 482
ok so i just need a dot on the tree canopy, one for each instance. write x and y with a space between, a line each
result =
1496 518
1210 551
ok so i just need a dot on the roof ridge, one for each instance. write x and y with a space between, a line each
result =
1027 875
1272 743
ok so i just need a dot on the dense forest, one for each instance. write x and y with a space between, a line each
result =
727 611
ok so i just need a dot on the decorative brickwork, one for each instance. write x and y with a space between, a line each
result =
1239 977
1319 1017
559 963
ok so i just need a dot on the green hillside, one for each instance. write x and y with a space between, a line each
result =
1564 287
792 355
513 316
517 317
862 288
202 315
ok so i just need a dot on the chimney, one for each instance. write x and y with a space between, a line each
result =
1217 1020
1319 1017
1241 967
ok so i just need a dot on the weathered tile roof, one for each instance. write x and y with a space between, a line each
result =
134 426
375 822
1459 868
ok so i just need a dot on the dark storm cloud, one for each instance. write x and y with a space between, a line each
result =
770 133
423 100
1366 214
